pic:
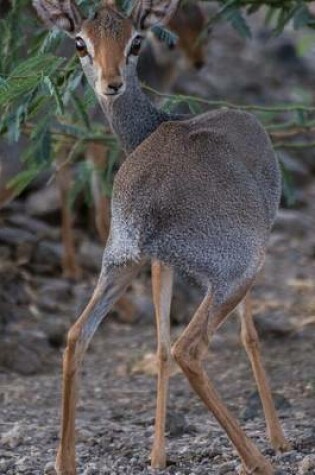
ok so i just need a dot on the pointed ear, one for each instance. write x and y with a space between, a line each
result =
148 13
62 14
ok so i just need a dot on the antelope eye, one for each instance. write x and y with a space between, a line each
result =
80 46
136 45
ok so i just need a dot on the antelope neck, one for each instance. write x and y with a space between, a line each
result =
132 116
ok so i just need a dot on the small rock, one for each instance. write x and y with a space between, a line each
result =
227 468
274 326
90 255
253 407
43 201
291 221
50 469
22 464
287 456
307 466
307 440
13 438
15 236
5 253
42 229
25 354
84 435
48 256
91 469
4 465
296 168
56 334
176 424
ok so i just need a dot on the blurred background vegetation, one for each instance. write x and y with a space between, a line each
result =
45 97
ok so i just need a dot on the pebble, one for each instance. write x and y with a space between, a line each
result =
253 407
176 424
227 468
307 466
50 469
13 438
91 469
23 464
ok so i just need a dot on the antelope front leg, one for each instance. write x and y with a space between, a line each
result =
162 283
65 462
251 344
109 288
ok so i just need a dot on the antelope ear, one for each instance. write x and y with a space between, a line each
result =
148 13
62 14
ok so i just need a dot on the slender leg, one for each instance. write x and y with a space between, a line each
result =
109 288
189 351
162 283
251 344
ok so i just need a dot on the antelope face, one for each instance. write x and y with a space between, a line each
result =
108 46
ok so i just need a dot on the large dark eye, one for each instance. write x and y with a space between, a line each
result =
136 45
81 46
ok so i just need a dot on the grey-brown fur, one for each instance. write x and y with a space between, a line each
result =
132 115
200 195
108 21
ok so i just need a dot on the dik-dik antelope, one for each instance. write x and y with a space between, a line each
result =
158 68
195 194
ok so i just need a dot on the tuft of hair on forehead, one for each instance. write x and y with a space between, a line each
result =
108 21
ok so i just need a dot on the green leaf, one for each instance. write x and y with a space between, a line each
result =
80 108
234 16
107 176
302 17
39 151
271 13
82 183
55 93
194 107
73 82
23 179
305 43
17 88
90 99
40 65
253 9
288 190
51 41
71 130
284 17
3 84
125 6
170 104
165 35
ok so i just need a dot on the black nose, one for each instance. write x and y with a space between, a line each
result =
114 87
199 64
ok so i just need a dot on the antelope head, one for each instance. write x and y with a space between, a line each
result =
109 42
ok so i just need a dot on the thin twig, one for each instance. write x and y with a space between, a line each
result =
231 105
